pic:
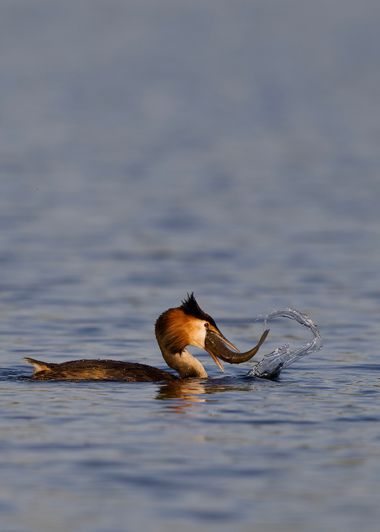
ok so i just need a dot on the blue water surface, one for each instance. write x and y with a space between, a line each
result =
151 148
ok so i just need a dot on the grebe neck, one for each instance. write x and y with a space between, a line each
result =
185 363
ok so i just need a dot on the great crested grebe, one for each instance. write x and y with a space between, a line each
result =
175 329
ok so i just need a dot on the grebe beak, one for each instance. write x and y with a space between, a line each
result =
218 346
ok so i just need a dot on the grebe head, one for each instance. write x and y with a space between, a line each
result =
187 325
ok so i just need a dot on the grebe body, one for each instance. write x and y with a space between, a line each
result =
175 329
98 370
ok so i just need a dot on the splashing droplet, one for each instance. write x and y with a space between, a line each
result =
283 356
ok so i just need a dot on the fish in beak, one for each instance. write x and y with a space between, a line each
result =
218 347
215 336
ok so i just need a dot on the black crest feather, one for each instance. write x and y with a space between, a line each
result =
190 306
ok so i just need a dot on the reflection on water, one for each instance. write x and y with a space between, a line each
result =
186 392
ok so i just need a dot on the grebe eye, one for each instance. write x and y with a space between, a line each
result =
207 325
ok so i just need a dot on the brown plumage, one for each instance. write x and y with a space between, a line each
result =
175 329
98 370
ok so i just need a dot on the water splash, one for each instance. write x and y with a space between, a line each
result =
283 356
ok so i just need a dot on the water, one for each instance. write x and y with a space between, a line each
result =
272 364
148 149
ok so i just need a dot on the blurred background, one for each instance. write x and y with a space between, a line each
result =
150 148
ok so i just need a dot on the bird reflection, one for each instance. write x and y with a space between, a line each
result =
184 394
